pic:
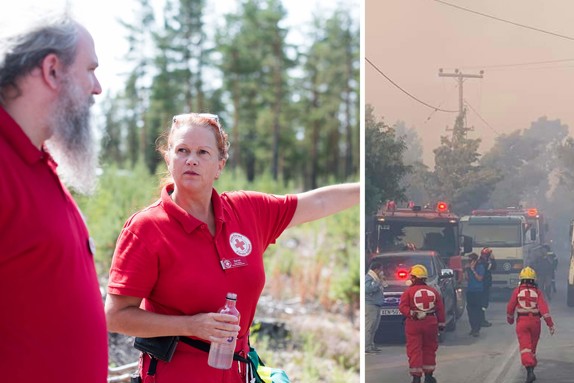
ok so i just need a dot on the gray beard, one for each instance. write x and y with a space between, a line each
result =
72 144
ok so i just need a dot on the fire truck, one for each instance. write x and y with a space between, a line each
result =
417 227
516 236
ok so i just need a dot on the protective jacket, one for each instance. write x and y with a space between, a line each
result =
529 303
423 308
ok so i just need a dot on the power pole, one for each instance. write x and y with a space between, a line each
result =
460 127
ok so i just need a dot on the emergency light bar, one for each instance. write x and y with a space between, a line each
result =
442 207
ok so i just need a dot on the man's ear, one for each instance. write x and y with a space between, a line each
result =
51 69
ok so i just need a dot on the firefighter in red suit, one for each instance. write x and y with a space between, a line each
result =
423 309
528 302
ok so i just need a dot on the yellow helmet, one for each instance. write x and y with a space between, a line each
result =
419 271
527 273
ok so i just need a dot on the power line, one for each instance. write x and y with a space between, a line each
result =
433 112
506 21
520 64
482 119
407 93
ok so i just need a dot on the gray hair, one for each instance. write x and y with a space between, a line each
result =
21 53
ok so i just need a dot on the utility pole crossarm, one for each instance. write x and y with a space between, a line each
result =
460 76
441 74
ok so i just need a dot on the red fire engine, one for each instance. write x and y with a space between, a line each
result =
422 227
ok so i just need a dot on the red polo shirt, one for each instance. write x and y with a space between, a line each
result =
170 259
52 324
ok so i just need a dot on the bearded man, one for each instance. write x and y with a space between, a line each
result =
53 310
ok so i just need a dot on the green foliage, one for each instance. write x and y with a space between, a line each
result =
347 283
257 84
384 167
330 82
253 57
311 371
418 183
344 353
414 146
526 160
235 179
513 156
458 178
318 262
566 158
120 193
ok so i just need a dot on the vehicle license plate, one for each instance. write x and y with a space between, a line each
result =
390 312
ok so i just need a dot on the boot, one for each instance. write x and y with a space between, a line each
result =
530 377
485 323
416 379
429 378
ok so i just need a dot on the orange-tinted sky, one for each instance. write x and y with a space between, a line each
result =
409 40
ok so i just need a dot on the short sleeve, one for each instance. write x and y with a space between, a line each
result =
134 270
271 213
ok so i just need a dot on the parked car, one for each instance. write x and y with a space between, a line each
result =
396 267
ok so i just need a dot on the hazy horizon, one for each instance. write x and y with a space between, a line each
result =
528 73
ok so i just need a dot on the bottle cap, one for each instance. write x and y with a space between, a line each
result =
231 296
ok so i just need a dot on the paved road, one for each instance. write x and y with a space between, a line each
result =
491 358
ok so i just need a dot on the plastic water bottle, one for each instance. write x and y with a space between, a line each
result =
221 354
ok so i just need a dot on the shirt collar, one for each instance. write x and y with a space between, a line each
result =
185 219
15 136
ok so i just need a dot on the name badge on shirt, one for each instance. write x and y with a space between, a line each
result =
233 263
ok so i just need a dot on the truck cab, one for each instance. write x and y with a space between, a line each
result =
506 236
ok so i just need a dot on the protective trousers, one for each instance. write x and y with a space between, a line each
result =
528 332
372 320
422 344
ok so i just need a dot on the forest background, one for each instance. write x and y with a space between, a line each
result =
530 167
292 115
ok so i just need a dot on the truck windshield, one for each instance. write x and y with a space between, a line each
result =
442 238
498 235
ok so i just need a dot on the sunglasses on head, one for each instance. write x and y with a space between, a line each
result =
209 116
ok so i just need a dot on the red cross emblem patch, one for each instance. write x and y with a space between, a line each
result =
424 299
240 244
527 299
